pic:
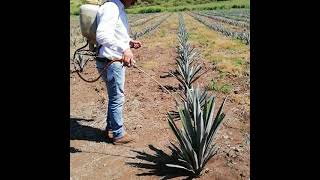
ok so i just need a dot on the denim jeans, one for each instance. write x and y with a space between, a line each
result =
114 78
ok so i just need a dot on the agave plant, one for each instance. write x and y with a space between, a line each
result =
203 96
187 72
199 127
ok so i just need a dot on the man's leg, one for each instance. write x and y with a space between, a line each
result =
115 85
100 66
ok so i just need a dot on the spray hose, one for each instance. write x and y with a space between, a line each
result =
82 65
106 67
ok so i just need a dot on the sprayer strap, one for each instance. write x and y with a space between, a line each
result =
102 59
98 50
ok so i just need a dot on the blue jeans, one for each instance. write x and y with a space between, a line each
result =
114 78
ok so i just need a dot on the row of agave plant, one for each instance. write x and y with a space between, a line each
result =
136 35
136 17
196 112
144 20
243 36
226 20
235 12
239 17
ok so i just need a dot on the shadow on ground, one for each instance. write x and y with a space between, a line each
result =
74 150
82 132
156 162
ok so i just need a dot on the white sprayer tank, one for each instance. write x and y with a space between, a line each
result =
88 22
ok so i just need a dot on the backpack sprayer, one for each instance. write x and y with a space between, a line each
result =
88 27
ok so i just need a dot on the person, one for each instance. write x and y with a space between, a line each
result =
113 36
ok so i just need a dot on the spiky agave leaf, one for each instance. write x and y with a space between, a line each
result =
186 147
180 167
188 123
217 121
203 96
183 147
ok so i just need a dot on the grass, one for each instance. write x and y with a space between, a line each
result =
162 33
218 86
229 55
174 6
151 6
160 39
226 88
75 6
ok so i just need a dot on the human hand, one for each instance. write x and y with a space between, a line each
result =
128 58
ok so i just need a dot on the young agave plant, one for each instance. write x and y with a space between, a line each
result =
187 72
197 133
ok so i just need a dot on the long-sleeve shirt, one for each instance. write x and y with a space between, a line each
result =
113 30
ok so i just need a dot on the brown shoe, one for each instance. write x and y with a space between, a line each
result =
109 134
126 138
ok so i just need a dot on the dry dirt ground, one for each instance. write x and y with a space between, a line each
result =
145 113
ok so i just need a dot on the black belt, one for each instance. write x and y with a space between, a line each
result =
102 59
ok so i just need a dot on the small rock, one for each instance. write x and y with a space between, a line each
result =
236 150
137 127
225 136
206 170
